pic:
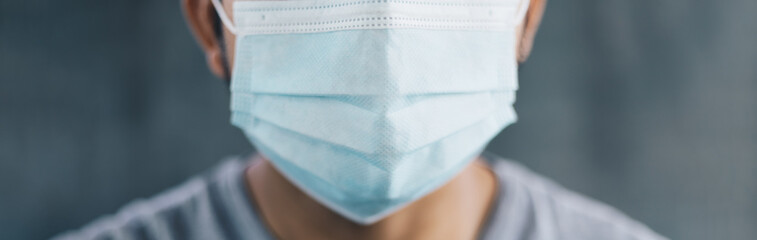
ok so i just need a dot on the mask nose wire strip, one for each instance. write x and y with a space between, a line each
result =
224 18
520 15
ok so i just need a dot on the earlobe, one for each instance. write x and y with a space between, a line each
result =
215 63
199 15
529 28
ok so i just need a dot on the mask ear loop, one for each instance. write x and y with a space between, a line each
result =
224 18
520 14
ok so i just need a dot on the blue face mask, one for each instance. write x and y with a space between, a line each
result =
369 105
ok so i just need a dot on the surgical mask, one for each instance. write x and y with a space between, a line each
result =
369 105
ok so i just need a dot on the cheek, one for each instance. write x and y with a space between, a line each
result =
519 35
230 40
518 41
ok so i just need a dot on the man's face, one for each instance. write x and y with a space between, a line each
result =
201 17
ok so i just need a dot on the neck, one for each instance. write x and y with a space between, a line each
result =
454 211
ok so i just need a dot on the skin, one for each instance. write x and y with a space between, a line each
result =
457 210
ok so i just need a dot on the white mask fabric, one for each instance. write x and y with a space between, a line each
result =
369 105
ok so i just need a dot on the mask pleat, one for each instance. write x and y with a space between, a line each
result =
368 105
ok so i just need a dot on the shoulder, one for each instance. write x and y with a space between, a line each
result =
187 211
546 210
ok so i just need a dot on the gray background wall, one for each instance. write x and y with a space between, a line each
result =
648 105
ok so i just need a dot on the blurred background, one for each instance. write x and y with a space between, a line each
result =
648 105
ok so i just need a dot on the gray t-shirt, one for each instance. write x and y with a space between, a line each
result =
217 206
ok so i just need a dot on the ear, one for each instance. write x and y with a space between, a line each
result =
201 18
529 28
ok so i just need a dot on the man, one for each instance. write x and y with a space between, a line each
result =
370 117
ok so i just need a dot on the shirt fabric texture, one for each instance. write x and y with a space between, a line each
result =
217 205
